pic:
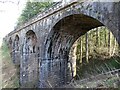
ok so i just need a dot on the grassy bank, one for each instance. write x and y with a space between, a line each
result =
9 70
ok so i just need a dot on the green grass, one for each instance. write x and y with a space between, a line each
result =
97 65
5 51
9 70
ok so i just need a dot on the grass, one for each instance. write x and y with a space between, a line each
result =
97 66
9 70
99 81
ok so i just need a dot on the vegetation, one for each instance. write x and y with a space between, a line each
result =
9 70
98 60
32 9
97 52
4 50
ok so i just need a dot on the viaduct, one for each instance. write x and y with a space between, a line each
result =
41 46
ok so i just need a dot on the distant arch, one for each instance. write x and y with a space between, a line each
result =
17 38
16 50
29 58
16 43
10 40
10 43
31 40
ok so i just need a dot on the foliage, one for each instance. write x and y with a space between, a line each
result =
4 50
103 53
9 71
31 9
98 44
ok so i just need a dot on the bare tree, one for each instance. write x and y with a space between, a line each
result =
87 47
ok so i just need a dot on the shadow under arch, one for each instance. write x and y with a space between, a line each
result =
29 62
10 42
58 44
16 42
16 50
10 45
72 26
31 40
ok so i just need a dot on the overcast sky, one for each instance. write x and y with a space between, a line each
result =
10 10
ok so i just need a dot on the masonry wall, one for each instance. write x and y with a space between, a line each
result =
56 30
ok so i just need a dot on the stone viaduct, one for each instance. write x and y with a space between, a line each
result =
41 45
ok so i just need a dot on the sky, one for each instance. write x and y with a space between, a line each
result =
10 10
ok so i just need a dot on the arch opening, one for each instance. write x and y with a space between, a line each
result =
10 42
29 63
16 42
59 42
31 41
16 51
94 55
10 45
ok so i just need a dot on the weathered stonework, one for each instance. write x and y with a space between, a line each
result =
44 41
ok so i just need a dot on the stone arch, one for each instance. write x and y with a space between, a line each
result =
29 61
16 42
10 43
31 40
81 23
108 14
16 50
58 43
10 40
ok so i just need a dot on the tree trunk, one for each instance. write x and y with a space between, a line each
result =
81 50
105 37
114 47
87 48
72 59
97 38
109 43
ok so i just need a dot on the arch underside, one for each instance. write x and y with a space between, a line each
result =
10 43
29 61
58 44
16 52
54 69
66 31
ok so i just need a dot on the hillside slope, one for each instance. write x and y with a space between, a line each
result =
9 70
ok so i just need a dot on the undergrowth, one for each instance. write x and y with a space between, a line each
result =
9 71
